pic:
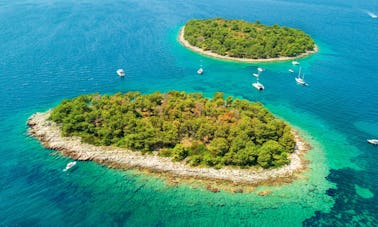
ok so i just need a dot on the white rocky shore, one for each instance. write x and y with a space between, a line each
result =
49 134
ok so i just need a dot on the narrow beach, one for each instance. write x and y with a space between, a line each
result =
185 43
49 134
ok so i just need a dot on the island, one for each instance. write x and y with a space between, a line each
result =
239 40
182 134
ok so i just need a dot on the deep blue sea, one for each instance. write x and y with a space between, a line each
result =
56 49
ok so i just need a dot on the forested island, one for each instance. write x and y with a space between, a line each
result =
201 131
182 133
238 39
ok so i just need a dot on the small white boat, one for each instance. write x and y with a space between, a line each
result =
259 86
290 70
69 166
300 78
120 72
373 141
372 15
200 71
301 81
295 63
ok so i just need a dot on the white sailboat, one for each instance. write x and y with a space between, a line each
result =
300 78
259 86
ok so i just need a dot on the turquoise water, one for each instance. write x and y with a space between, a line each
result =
51 50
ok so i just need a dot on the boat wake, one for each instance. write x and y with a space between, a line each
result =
371 14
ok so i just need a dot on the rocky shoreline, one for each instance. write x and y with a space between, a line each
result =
49 134
185 43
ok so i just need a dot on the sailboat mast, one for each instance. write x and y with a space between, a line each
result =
299 72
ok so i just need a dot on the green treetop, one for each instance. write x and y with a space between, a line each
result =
241 39
186 127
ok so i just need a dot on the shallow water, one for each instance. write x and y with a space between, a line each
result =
51 50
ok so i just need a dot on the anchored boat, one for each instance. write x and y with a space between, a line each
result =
259 86
200 71
69 166
121 72
373 141
300 77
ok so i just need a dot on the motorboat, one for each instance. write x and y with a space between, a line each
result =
259 86
373 141
69 166
121 72
372 15
295 62
200 71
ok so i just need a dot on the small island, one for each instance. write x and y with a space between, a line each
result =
178 133
239 40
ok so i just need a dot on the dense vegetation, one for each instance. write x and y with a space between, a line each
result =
238 38
201 131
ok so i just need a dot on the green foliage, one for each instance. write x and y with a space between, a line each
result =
166 152
218 146
203 132
195 160
238 38
179 152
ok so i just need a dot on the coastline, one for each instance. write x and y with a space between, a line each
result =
49 134
186 44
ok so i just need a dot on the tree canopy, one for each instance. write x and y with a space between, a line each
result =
241 39
186 127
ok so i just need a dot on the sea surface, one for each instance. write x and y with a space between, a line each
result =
56 49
